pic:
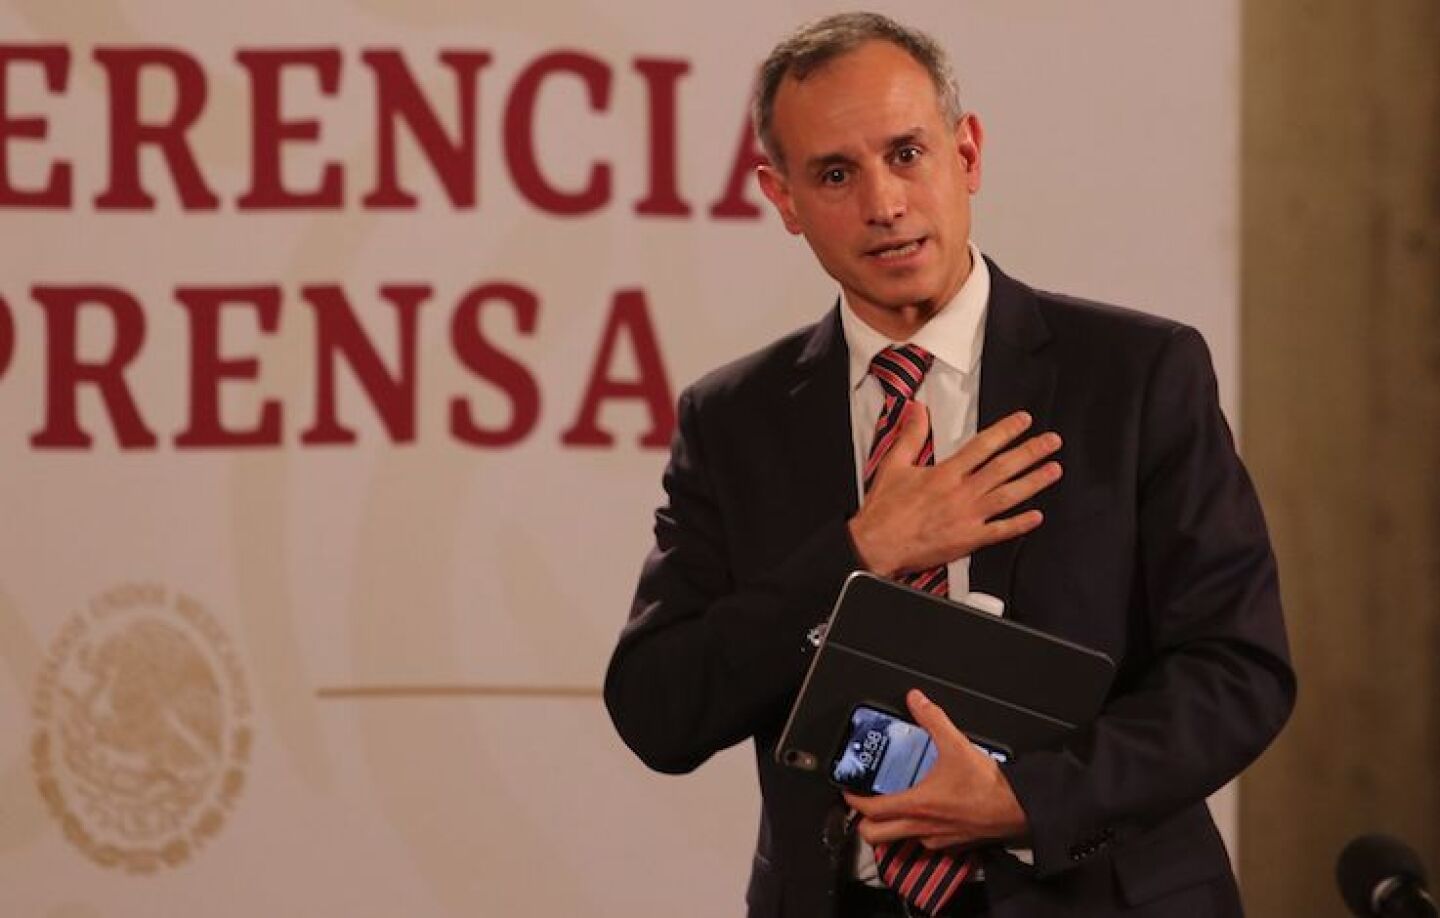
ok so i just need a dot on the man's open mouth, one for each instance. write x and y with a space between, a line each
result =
897 250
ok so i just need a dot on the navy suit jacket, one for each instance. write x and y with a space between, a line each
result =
1153 550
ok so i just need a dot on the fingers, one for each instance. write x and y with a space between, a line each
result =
1010 527
923 830
932 717
954 804
989 473
913 520
1011 494
1012 462
950 741
930 834
909 436
979 448
883 806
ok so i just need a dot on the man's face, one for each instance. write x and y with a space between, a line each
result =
878 182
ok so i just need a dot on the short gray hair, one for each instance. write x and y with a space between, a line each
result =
814 44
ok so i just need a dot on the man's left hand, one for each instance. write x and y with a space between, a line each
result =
964 799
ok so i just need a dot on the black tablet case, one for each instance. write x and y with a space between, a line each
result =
995 678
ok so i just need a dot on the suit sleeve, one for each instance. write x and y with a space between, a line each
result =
708 657
1210 684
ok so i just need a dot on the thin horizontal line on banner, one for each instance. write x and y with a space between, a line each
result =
457 691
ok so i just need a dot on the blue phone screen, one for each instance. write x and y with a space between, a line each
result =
883 753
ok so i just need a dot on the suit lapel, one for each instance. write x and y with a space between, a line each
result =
818 413
1016 372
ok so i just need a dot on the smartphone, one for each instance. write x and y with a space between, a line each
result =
883 752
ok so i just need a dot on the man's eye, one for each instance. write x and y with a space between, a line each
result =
833 177
907 154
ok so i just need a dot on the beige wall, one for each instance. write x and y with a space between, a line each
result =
1340 320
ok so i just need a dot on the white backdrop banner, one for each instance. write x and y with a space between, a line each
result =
339 343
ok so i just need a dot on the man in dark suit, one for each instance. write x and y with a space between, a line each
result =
1151 547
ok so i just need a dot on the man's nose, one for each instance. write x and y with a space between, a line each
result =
883 197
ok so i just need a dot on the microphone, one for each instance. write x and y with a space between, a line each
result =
1381 877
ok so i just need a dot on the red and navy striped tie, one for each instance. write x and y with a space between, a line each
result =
927 880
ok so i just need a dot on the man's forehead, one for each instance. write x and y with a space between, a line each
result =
873 94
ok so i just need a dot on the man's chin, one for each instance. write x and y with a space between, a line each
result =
893 315
899 299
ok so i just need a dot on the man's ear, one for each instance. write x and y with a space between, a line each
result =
969 138
777 189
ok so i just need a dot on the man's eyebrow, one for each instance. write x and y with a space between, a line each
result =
909 137
826 160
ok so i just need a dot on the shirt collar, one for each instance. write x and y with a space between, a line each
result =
953 334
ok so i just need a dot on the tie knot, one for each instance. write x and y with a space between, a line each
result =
901 369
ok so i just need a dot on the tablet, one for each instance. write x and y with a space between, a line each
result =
994 677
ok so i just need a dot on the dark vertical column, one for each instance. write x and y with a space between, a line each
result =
1340 313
